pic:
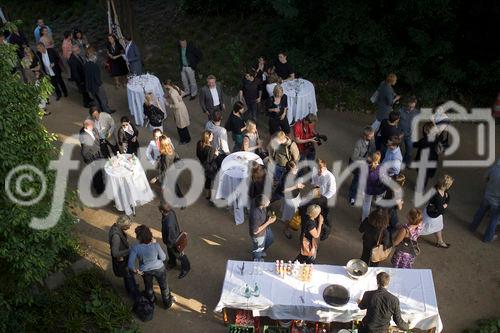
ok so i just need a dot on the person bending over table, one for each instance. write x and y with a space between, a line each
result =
311 231
380 306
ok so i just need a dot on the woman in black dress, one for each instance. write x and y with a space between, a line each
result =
311 231
127 137
168 157
277 110
374 227
428 141
208 159
119 68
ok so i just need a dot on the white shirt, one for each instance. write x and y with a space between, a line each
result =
91 133
215 96
326 182
152 152
46 62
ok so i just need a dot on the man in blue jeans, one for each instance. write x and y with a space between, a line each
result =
261 234
491 202
407 114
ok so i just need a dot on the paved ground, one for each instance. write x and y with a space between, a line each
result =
466 276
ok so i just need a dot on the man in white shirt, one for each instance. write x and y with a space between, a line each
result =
104 124
49 63
212 97
153 149
220 134
324 179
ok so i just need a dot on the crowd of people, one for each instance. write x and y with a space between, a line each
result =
300 181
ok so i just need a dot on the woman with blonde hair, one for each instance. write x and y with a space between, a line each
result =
405 240
311 231
436 207
374 185
251 139
153 112
179 109
277 111
168 157
30 64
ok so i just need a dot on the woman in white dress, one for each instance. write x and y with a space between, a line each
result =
181 115
290 188
436 207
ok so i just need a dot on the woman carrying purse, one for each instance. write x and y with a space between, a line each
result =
405 240
374 229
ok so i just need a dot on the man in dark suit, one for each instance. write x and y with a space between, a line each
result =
76 62
93 82
190 56
380 306
212 97
49 63
91 151
133 56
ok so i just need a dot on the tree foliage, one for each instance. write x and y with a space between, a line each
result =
26 255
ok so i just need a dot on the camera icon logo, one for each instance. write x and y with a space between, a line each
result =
445 120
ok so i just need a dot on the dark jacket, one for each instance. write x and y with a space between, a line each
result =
385 100
125 143
169 229
53 58
193 55
91 149
119 248
380 306
76 68
206 100
92 77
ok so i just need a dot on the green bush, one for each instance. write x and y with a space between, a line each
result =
27 255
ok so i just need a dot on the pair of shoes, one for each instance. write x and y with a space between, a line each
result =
287 233
183 274
192 97
112 111
352 202
168 302
443 245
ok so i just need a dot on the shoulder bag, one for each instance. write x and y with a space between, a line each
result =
408 245
181 241
378 252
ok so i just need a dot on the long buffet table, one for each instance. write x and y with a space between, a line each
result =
289 298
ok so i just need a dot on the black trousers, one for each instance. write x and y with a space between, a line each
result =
174 255
87 100
184 136
58 83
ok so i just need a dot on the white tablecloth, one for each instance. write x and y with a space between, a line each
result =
301 99
135 92
233 173
280 299
128 188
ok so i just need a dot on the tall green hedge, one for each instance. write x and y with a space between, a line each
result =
27 256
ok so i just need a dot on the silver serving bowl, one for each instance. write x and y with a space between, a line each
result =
356 268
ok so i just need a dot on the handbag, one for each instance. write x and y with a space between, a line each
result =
408 245
295 222
181 242
378 252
